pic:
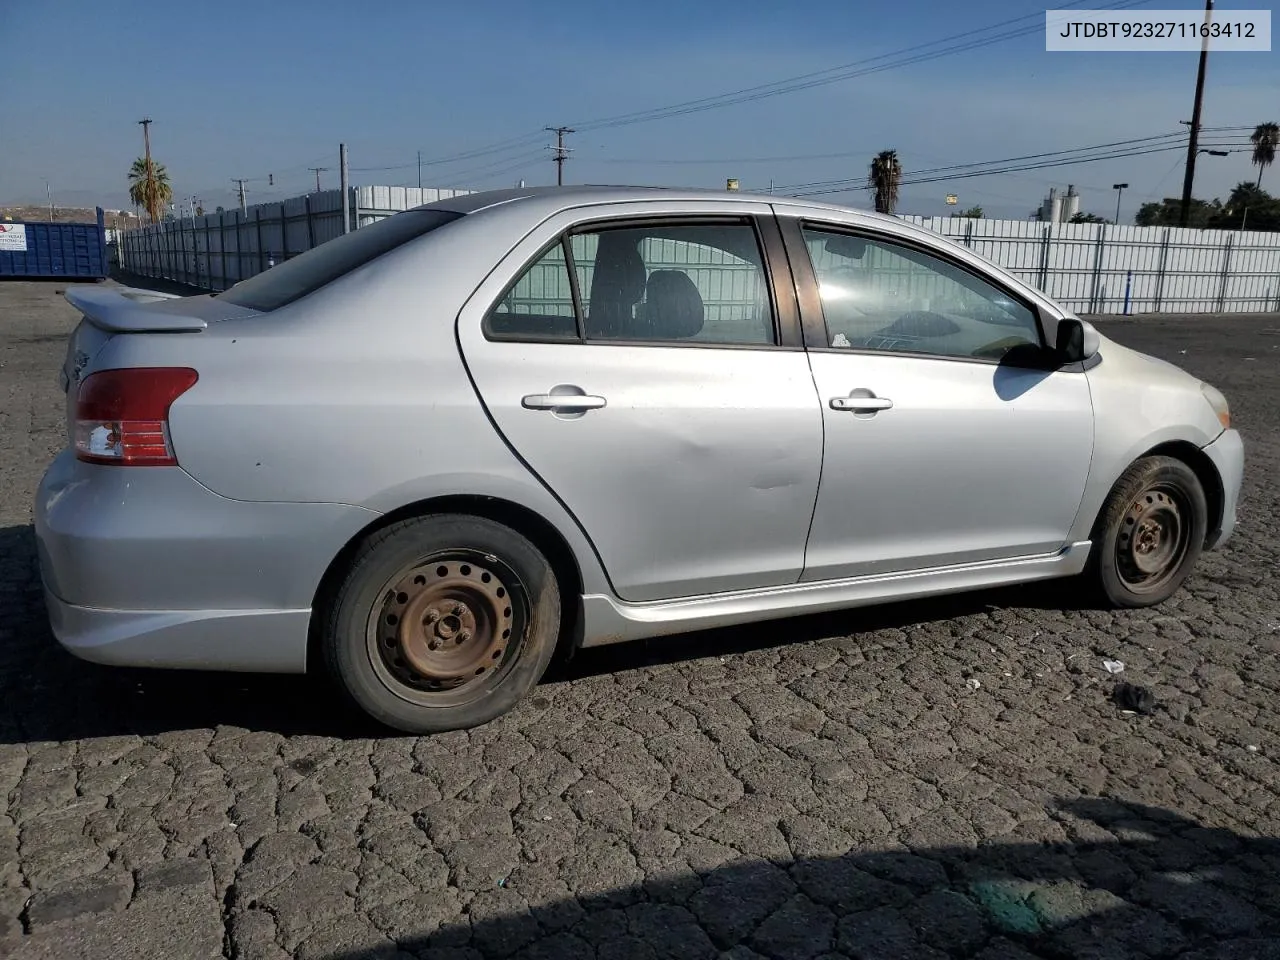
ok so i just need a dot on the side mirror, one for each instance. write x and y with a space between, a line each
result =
1076 340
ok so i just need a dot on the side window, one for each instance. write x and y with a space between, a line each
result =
878 295
704 283
539 305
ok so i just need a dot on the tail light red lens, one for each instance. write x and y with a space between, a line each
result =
122 416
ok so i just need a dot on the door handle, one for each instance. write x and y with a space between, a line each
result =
861 401
562 401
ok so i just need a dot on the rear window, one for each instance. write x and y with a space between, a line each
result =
321 265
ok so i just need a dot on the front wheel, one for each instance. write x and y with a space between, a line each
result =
1151 532
443 622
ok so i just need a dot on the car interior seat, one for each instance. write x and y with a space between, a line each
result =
672 306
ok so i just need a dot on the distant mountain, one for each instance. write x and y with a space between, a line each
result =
35 213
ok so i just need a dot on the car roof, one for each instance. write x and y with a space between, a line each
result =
549 199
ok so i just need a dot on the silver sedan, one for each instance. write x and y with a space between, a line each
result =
428 454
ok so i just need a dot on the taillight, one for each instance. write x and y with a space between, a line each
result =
122 416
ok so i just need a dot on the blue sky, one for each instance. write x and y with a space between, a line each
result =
241 89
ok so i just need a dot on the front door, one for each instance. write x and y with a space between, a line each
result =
641 371
941 447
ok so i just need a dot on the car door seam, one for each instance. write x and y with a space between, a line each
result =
506 442
793 279
1093 453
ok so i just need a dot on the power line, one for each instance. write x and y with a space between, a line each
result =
849 185
793 158
793 84
830 75
964 169
1163 137
663 161
1160 183
509 168
506 163
503 146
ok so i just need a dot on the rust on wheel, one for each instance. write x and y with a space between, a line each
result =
444 624
1154 538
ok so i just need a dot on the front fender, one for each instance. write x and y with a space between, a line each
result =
1140 403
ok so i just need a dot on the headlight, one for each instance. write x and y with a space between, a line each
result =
1219 404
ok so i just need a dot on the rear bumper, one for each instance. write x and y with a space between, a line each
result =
1227 454
147 567
262 641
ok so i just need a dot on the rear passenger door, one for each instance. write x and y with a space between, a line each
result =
650 372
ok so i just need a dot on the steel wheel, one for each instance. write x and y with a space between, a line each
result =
445 626
1153 540
1150 532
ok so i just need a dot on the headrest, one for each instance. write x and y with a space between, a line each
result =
617 285
673 306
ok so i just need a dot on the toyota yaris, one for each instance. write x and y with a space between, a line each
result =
429 453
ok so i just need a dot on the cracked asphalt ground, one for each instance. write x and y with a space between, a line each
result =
831 786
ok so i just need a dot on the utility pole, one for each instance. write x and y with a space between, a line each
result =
1119 189
150 184
562 154
1194 144
317 171
49 190
241 181
419 169
345 175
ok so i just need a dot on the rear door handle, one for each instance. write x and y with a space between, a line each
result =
861 403
562 401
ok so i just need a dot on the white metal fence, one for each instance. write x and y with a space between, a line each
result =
214 251
1090 268
1108 269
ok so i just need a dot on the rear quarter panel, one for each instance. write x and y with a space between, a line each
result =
356 394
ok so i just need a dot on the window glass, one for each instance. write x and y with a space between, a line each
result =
539 304
321 265
704 283
883 296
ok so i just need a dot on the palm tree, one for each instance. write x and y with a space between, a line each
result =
1266 136
886 176
1245 194
151 191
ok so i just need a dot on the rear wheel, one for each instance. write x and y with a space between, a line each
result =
1151 532
443 622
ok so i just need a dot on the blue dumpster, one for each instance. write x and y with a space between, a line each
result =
34 250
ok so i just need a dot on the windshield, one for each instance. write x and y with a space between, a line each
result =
321 265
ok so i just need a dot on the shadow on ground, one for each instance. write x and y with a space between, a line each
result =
1166 887
46 694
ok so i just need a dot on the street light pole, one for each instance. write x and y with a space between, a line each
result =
1119 189
1193 144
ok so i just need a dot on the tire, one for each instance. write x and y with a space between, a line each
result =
1150 533
460 581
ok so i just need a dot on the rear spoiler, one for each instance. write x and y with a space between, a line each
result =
129 310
